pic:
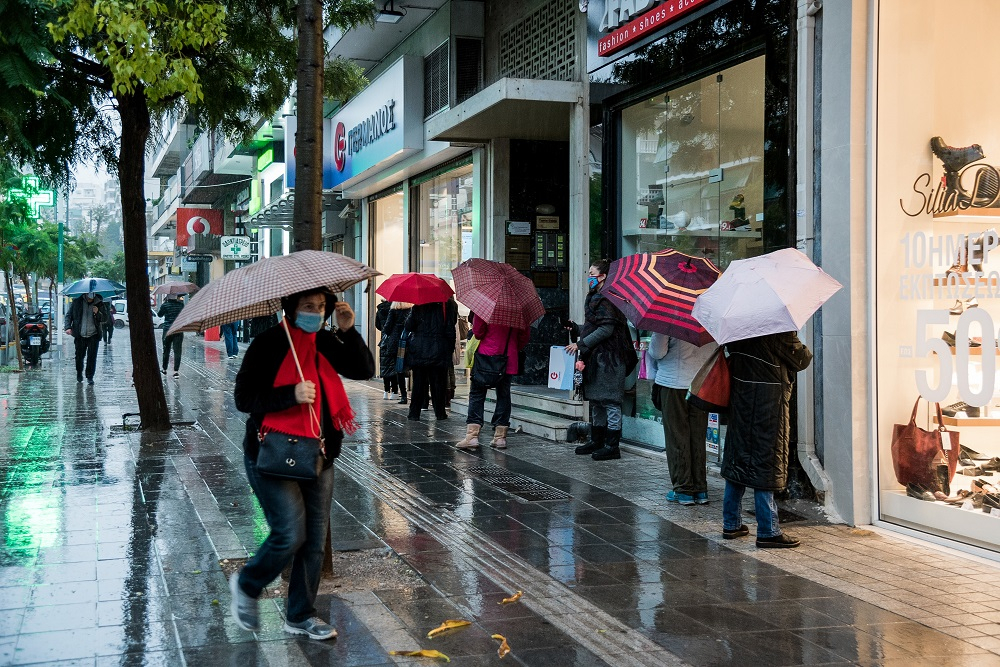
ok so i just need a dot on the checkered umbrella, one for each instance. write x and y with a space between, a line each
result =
498 293
176 287
257 289
657 291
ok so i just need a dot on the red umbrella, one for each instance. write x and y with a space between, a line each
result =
656 291
415 288
498 293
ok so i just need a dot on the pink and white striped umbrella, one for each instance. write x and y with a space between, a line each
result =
498 293
257 289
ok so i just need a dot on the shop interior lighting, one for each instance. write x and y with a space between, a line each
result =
389 14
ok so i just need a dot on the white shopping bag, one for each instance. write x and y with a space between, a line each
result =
561 365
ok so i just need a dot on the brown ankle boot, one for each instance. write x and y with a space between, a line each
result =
471 440
499 437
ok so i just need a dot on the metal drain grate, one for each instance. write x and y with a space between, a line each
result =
518 485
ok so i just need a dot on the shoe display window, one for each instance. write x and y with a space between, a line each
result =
693 167
936 275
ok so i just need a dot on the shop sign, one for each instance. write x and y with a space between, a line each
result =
199 259
547 222
379 127
631 20
518 228
235 247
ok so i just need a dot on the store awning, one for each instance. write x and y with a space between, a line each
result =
510 108
278 213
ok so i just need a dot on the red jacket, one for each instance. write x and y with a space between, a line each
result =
493 339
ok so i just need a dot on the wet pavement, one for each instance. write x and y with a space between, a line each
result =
112 542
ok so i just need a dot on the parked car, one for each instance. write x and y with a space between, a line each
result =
121 315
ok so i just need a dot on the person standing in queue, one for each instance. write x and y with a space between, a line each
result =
88 315
756 452
608 354
269 388
429 348
392 330
169 311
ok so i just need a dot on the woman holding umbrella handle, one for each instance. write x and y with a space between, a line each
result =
605 346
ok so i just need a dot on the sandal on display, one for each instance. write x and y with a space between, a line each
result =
981 485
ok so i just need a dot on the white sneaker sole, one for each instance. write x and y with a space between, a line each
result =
234 608
291 629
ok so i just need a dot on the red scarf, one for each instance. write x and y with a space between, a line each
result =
302 419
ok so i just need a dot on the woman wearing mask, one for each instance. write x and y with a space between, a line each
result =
269 388
606 349
392 330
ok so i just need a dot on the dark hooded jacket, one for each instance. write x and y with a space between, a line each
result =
256 394
391 326
74 319
432 332
757 440
606 349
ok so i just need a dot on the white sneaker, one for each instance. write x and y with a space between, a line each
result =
385 396
393 396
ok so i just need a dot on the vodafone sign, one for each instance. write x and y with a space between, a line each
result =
631 20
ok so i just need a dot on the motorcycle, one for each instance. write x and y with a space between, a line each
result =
34 338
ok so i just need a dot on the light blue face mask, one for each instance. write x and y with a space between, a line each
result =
309 322
592 282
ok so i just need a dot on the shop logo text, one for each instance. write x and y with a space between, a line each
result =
363 134
937 199
642 23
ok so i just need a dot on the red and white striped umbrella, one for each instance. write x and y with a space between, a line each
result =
657 291
498 293
257 289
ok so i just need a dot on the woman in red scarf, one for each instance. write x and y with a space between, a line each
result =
269 388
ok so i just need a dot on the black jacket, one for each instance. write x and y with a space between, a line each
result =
606 348
391 327
256 394
757 440
431 327
74 321
169 311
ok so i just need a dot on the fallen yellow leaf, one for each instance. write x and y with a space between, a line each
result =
504 646
425 653
513 598
447 625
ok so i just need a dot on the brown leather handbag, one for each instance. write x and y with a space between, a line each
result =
917 454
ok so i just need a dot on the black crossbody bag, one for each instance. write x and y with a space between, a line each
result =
293 456
489 369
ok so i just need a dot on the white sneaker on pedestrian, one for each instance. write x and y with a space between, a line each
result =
393 396
176 375
314 628
385 396
242 607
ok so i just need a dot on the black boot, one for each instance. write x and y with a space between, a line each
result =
610 449
402 397
597 434
953 159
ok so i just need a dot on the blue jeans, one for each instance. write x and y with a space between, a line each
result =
606 413
764 508
229 334
299 516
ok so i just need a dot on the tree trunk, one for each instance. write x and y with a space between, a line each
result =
13 317
308 225
26 281
131 165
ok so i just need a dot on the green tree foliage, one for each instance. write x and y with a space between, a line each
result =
112 269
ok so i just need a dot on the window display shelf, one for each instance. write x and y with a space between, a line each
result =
696 232
984 215
970 526
969 421
975 351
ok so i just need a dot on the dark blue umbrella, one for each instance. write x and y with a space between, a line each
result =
106 288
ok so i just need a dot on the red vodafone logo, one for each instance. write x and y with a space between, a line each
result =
198 225
340 147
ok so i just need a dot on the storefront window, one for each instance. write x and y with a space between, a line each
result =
388 249
443 207
936 275
693 167
692 179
